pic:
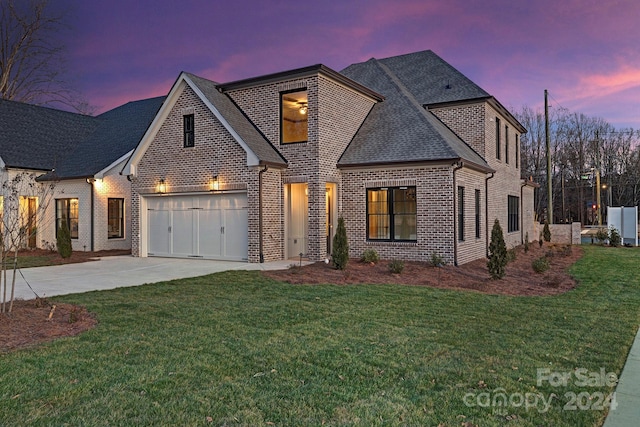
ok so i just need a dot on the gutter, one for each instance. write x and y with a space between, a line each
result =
260 240
486 212
457 166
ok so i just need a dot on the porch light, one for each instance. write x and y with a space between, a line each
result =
162 186
214 184
303 109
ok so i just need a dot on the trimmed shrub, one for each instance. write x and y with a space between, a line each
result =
370 256
340 253
614 237
540 265
396 266
546 232
63 240
602 235
497 252
437 260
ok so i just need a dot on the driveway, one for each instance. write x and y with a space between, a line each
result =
120 271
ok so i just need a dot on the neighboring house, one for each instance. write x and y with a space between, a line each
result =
415 157
77 161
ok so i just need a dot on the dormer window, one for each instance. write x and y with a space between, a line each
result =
294 122
188 128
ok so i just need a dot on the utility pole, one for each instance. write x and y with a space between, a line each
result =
548 150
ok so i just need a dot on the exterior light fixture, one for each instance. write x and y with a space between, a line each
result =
162 186
303 109
214 184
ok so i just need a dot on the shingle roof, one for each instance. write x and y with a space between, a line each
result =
255 140
118 132
432 80
399 129
33 137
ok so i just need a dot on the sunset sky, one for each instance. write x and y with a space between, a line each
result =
586 53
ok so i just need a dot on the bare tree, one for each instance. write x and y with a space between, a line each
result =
31 61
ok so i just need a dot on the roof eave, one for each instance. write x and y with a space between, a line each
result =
449 161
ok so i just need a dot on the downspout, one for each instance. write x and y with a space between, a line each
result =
260 212
486 212
458 165
90 181
522 214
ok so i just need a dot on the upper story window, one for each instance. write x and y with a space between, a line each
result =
188 128
294 108
517 150
506 144
497 138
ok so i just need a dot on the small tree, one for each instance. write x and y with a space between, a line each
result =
546 232
526 242
497 252
63 240
340 253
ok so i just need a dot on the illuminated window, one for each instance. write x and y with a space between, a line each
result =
115 218
294 109
67 211
391 214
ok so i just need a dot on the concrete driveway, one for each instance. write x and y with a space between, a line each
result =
120 271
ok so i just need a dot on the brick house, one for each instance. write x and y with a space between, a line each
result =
414 156
69 168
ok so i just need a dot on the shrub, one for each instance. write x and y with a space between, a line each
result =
370 255
546 232
340 253
497 252
602 235
396 266
437 260
540 241
540 265
63 240
526 242
614 237
511 255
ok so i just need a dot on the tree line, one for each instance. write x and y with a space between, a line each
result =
580 146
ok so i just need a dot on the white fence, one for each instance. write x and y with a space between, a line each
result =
625 220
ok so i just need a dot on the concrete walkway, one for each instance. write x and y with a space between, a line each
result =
627 412
120 271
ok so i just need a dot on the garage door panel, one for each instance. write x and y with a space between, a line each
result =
209 236
235 233
159 236
182 232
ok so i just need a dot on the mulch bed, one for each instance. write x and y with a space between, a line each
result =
520 279
76 256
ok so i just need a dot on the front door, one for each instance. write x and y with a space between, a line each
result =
297 220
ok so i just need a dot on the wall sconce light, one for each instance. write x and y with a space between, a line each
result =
303 109
306 191
162 186
214 184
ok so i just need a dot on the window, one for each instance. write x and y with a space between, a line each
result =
189 132
506 144
391 214
67 211
497 138
115 218
513 213
460 213
477 214
294 121
517 149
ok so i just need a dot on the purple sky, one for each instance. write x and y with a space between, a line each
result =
585 52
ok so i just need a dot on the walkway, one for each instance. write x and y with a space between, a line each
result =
627 412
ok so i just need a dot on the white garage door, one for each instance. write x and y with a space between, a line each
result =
209 226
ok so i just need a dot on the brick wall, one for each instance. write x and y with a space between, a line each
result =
472 247
113 185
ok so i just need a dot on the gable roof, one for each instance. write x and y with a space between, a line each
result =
399 129
259 150
39 138
117 133
255 141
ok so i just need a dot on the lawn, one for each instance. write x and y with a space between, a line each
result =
239 349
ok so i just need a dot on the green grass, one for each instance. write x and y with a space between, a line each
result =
245 350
